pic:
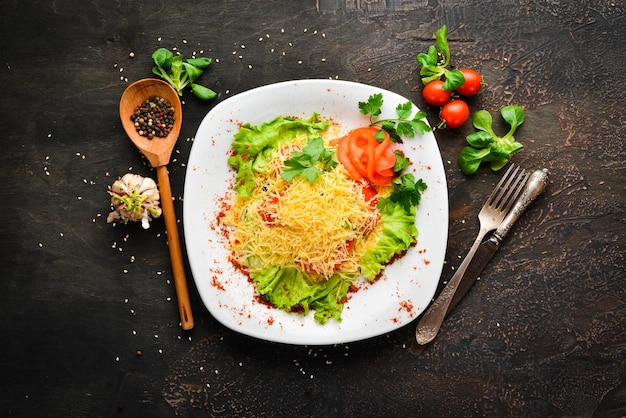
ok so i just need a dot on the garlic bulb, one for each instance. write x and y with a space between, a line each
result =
134 198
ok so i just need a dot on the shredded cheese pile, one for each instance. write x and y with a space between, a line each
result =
320 226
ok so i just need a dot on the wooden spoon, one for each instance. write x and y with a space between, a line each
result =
158 152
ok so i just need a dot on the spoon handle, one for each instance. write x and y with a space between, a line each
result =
176 254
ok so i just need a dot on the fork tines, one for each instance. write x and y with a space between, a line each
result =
509 187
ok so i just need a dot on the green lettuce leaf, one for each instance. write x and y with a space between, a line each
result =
254 146
288 289
398 234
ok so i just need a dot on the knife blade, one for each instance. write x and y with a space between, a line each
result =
535 185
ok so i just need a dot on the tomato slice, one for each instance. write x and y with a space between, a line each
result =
343 155
363 156
370 195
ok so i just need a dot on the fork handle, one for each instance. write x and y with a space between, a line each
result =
429 324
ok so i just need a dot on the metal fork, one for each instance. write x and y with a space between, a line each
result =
491 215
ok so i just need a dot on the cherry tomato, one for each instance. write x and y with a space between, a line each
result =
455 113
472 83
434 93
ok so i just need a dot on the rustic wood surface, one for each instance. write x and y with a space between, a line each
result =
89 321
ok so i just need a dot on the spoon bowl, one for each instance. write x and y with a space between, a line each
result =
157 150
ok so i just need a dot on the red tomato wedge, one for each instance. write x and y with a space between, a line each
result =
364 157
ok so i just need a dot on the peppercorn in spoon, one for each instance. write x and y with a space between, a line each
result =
158 150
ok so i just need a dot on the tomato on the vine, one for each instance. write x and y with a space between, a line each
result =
472 83
455 113
434 93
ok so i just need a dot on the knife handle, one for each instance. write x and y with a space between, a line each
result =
535 185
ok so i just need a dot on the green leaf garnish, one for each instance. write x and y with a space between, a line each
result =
180 73
310 162
486 146
435 62
403 125
407 192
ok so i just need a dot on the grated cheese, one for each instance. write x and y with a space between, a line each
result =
320 226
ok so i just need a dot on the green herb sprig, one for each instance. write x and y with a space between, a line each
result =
306 162
486 145
180 73
435 63
407 191
403 125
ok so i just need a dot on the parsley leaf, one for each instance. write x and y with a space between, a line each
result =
407 192
372 106
403 125
306 162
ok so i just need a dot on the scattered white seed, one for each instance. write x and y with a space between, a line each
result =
159 39
299 61
40 245
184 41
131 55
250 66
117 359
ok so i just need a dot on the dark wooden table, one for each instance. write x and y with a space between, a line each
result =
88 320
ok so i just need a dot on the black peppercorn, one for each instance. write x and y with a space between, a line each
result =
154 118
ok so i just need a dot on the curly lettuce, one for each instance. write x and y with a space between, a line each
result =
287 289
254 146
